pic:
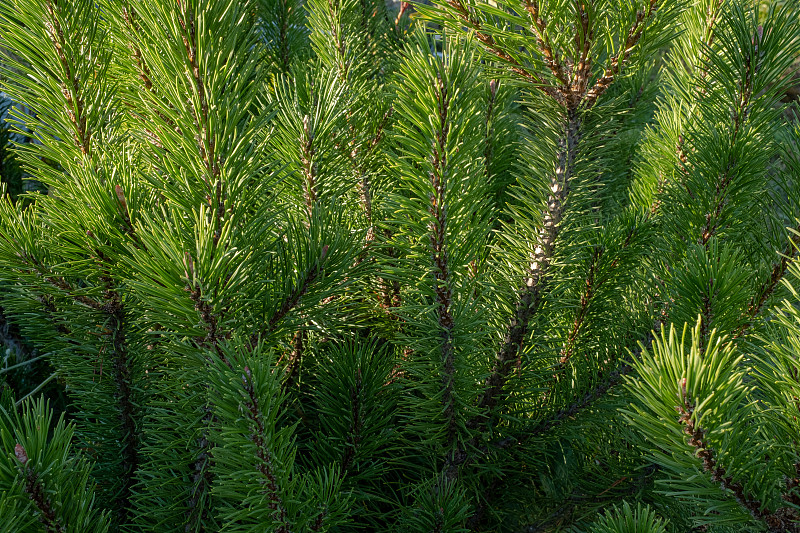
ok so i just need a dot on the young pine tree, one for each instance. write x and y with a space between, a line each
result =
305 266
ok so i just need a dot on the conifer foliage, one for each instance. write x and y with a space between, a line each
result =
519 265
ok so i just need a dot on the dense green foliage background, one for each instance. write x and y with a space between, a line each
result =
477 266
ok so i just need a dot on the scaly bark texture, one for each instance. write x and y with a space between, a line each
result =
440 271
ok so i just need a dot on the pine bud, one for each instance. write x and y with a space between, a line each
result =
188 264
19 451
121 197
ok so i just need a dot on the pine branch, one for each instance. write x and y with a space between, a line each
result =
130 19
129 442
404 6
121 366
308 151
498 51
357 160
440 271
50 310
584 36
205 141
552 61
416 450
198 512
210 321
574 97
295 358
44 473
706 314
129 16
253 412
36 493
551 422
546 426
203 478
740 115
589 290
619 59
338 38
356 426
319 522
712 16
720 197
60 283
531 294
768 287
293 298
69 83
784 520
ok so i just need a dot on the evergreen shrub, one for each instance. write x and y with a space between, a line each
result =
513 265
